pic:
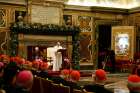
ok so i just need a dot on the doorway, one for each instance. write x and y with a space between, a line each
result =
104 39
104 43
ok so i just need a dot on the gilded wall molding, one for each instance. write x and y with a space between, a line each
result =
49 3
77 8
12 3
96 9
54 3
134 10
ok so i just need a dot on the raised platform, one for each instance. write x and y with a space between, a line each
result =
112 78
86 66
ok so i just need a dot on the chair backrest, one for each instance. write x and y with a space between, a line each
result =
36 87
57 88
77 91
80 91
46 85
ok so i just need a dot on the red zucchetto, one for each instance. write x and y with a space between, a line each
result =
24 79
44 66
133 83
36 64
75 75
100 74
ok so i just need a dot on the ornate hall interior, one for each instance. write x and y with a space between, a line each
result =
83 35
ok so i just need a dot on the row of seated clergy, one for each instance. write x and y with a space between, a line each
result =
65 79
47 86
70 78
99 81
97 86
133 85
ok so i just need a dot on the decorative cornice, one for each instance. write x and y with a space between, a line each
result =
109 9
4 29
54 3
77 8
12 3
134 10
50 3
57 1
37 2
95 9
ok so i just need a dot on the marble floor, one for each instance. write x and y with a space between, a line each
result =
115 82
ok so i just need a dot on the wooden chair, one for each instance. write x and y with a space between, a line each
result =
36 88
46 85
57 88
77 91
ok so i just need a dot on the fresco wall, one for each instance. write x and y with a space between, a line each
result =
85 17
134 20
88 22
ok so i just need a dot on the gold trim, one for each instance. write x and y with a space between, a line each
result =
130 31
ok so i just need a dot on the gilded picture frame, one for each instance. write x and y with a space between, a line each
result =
86 45
85 23
67 20
123 42
19 13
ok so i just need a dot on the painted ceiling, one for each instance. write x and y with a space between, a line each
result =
127 4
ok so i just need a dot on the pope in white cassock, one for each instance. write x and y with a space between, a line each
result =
56 56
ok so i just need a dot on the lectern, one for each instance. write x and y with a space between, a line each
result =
64 55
